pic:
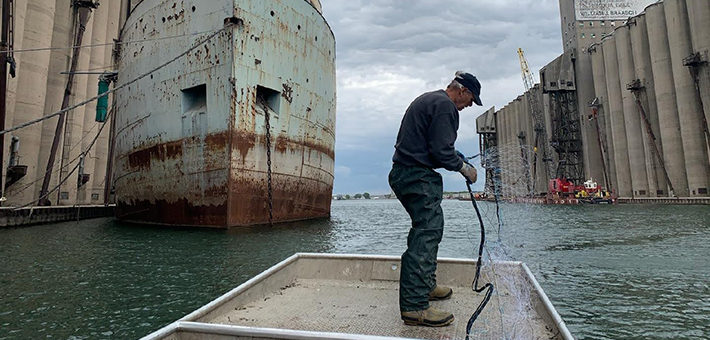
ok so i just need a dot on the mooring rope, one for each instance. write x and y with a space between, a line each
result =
195 46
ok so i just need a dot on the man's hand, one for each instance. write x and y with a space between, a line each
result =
469 172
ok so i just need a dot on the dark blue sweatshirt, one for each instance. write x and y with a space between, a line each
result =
428 132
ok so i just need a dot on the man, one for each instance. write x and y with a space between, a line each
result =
426 142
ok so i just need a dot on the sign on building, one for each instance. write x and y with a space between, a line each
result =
609 9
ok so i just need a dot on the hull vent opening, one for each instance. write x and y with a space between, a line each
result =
268 99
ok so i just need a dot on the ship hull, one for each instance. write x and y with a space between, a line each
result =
191 140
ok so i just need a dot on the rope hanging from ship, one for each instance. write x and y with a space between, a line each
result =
488 287
52 115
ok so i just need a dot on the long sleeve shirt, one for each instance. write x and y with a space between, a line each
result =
428 132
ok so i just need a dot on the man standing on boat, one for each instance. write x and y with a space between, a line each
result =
426 142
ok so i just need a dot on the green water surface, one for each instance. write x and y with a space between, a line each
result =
613 272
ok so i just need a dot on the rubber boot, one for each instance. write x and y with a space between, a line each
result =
430 317
441 293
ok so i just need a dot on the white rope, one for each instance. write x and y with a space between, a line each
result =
83 153
32 122
118 43
56 169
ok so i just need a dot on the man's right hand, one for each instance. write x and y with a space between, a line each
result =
469 172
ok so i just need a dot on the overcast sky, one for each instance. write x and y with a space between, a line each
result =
391 51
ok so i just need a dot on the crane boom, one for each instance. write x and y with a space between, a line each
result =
541 144
528 77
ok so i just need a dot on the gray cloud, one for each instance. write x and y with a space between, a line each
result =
391 51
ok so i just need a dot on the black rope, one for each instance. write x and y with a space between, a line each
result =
488 287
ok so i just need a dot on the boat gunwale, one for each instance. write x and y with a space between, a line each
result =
188 323
272 333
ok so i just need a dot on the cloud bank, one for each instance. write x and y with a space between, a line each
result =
391 51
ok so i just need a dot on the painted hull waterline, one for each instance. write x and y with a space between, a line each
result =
191 139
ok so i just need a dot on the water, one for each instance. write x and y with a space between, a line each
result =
613 272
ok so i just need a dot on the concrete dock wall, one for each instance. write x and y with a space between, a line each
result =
10 217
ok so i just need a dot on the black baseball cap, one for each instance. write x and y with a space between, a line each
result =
472 84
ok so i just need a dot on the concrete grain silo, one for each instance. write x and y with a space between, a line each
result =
503 128
699 16
669 122
20 13
632 117
616 113
31 80
689 104
89 125
39 90
604 113
99 174
517 162
646 93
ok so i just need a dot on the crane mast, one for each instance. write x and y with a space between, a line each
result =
541 146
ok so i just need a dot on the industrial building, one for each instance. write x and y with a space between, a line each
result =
625 105
41 33
59 54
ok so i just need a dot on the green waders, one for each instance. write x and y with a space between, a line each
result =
420 191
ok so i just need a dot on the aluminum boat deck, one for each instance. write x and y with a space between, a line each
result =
324 296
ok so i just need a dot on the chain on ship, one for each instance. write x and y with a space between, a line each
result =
240 131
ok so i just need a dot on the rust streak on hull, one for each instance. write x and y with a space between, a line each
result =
198 157
142 158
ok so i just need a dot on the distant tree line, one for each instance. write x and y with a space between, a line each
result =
357 196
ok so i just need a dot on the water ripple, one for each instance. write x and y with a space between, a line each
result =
613 272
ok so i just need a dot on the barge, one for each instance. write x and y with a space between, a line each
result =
326 296
238 132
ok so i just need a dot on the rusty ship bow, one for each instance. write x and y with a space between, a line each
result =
240 131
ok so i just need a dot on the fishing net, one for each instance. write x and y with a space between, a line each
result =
510 313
